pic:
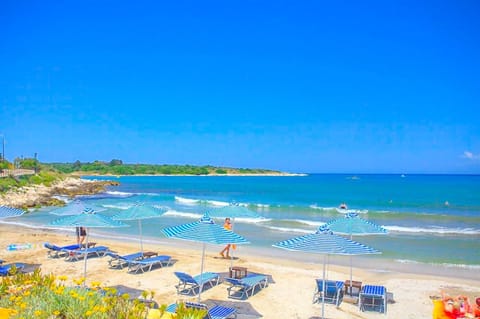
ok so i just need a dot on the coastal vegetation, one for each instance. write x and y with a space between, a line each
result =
33 295
19 177
117 167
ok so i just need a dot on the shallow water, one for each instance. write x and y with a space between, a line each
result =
431 219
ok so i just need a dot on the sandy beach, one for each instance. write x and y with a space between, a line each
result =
288 295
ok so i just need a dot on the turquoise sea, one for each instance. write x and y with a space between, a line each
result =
433 220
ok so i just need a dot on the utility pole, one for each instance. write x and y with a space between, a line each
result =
36 164
3 148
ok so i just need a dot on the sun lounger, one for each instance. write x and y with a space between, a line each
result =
9 268
373 298
147 264
55 251
189 285
216 312
240 288
333 291
77 254
119 261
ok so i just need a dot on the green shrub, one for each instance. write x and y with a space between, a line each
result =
38 296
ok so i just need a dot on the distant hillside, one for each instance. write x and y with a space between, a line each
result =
117 167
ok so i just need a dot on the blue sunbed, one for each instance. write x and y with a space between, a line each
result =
216 312
240 288
119 261
373 298
8 269
333 291
188 284
55 251
147 264
77 254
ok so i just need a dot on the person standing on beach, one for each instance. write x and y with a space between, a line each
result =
228 226
81 233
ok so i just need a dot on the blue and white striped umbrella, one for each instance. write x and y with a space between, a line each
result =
76 207
138 212
204 231
233 211
325 242
352 224
88 219
6 212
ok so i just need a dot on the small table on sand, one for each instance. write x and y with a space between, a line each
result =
238 272
148 254
356 286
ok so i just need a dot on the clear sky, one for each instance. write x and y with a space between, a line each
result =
298 86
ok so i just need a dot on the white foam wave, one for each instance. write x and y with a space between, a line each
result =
123 207
216 203
119 194
289 230
434 230
448 265
186 201
259 205
315 206
248 220
192 201
182 214
309 222
346 211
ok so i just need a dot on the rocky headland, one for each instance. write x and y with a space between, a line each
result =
41 195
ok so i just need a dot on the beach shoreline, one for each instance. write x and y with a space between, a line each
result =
289 292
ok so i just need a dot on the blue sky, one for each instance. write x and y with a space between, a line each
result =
299 86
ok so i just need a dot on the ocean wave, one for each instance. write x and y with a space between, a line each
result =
315 206
434 230
118 206
176 213
246 220
192 201
289 229
306 222
447 265
120 194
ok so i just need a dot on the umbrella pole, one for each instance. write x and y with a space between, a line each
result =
323 286
351 264
201 273
231 246
351 284
141 241
85 259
